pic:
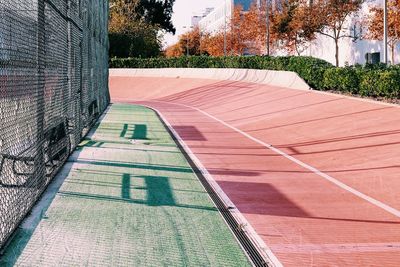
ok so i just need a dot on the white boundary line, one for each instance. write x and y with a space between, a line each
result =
264 250
360 99
327 177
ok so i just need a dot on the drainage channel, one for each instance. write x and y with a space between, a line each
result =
246 243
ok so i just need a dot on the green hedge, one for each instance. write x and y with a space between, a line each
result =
342 79
380 83
370 80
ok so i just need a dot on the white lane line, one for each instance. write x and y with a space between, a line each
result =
337 248
327 177
264 250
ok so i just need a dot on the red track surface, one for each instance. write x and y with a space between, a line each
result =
305 219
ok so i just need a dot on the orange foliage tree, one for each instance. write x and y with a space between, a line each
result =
245 34
174 50
295 25
213 44
188 43
191 41
375 25
247 31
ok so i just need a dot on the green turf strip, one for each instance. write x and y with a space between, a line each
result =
129 199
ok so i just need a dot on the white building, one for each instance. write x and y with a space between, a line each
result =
197 18
351 51
217 19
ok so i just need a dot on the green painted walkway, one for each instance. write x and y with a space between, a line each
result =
129 198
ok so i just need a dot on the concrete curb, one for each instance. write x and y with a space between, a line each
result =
285 79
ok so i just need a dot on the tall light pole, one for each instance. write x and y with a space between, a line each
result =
385 32
200 37
268 24
225 27
187 45
187 39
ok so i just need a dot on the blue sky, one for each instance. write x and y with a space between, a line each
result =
183 12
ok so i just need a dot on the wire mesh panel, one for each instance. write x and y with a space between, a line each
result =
53 86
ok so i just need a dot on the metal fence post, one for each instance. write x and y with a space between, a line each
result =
385 32
268 26
40 105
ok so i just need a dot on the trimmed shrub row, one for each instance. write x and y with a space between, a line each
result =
310 69
370 80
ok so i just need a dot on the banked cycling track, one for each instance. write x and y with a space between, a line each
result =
316 175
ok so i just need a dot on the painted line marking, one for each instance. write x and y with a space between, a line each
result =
337 248
264 250
327 177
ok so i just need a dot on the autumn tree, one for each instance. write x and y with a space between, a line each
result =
332 16
245 33
375 25
213 44
247 30
188 43
174 50
295 25
236 32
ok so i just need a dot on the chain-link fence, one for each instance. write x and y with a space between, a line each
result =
53 86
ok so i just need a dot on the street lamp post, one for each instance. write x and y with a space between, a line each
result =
187 45
187 39
385 32
225 28
268 24
200 37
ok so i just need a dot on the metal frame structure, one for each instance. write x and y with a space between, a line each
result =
53 86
